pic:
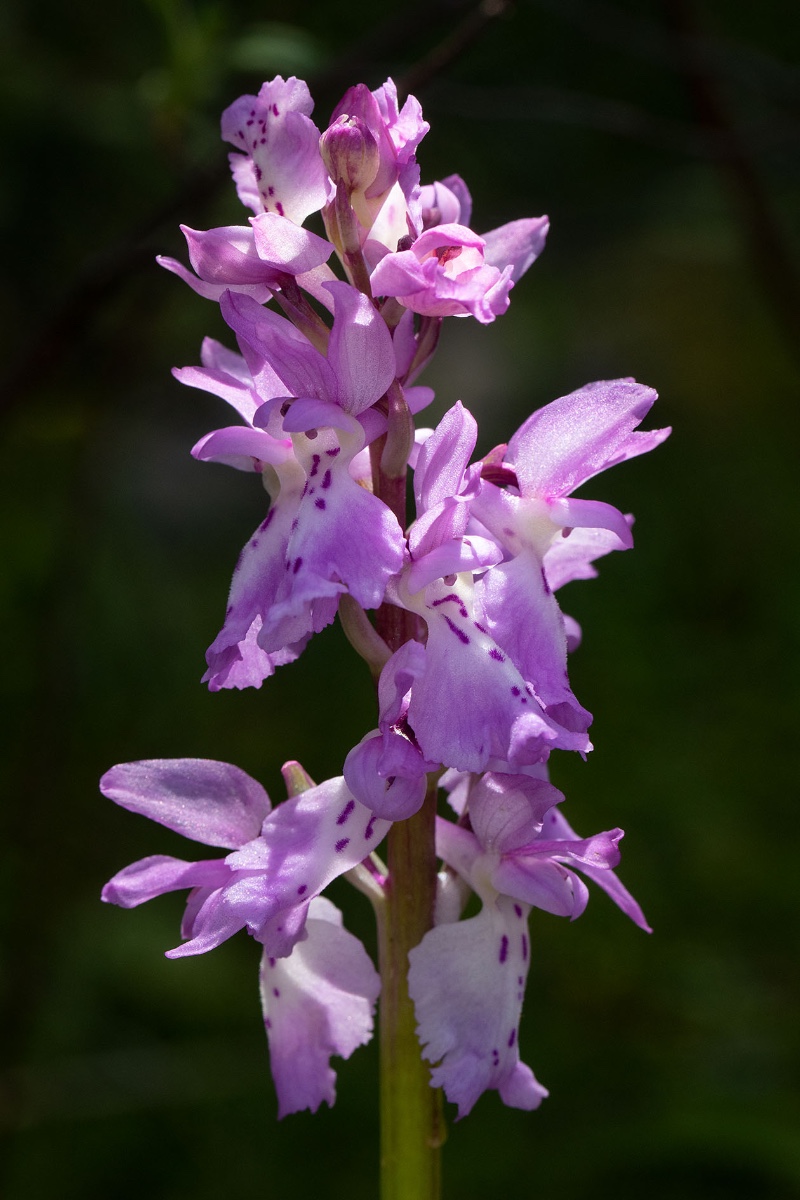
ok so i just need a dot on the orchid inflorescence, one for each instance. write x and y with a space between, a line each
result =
468 646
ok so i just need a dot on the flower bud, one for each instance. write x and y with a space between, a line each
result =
350 152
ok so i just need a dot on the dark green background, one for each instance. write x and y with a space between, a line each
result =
669 169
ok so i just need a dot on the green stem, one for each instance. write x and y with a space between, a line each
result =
412 1125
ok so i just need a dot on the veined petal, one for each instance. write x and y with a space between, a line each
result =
507 811
572 513
284 246
543 883
575 437
443 459
260 292
209 923
360 350
270 341
212 802
228 255
317 1002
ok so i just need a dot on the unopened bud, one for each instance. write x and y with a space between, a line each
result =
350 153
296 778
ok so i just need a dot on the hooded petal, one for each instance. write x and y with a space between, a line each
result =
388 775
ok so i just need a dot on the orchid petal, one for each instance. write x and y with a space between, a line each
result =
467 982
317 1002
212 802
159 874
575 437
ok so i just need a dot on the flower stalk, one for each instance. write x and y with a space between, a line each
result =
468 646
412 1121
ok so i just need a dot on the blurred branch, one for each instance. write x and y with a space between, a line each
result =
454 45
767 246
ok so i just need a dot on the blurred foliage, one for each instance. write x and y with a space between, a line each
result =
672 1060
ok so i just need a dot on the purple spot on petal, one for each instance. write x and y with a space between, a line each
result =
369 830
457 599
340 845
320 503
259 173
229 610
275 110
496 655
254 543
267 1023
503 948
512 1037
524 948
302 889
276 992
294 524
271 191
345 813
265 524
315 461
462 637
333 453
279 208
271 962
480 628
298 562
520 980
544 581
326 480
515 691
518 910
